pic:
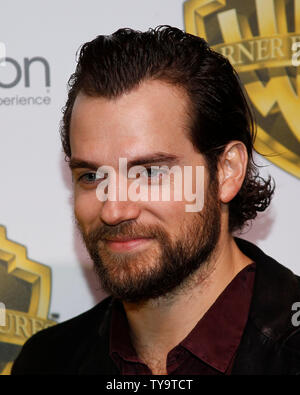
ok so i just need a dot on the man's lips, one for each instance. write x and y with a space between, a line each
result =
124 238
125 243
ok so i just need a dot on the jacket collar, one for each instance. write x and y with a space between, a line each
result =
275 290
96 359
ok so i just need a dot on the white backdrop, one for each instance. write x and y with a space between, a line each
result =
35 184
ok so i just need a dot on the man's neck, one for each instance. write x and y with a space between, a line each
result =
157 326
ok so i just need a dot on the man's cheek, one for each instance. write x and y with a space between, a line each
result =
86 208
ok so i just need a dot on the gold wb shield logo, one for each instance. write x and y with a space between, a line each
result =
260 38
25 290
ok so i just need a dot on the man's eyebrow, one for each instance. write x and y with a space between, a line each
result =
157 157
75 163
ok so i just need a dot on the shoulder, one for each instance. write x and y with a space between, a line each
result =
51 348
271 341
270 273
276 289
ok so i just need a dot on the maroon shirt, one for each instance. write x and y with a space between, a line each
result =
209 349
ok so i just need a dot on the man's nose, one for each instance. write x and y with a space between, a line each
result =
118 207
114 212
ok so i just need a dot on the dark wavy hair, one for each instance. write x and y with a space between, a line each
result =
109 66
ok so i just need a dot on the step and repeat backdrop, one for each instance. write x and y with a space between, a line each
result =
45 274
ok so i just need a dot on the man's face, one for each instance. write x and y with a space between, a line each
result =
167 243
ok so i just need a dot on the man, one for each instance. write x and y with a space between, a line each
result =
186 296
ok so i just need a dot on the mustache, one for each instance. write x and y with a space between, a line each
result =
129 229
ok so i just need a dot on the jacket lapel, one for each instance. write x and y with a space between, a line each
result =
276 288
97 359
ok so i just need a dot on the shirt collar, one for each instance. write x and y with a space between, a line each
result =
216 336
120 341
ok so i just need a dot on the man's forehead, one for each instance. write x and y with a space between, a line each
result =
154 101
149 119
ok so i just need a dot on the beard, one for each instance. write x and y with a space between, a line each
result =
165 264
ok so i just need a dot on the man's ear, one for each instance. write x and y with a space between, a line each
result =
232 169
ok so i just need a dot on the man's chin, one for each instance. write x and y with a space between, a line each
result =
132 284
131 278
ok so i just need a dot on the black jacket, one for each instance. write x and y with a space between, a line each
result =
270 343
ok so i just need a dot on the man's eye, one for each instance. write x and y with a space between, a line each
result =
88 178
151 173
